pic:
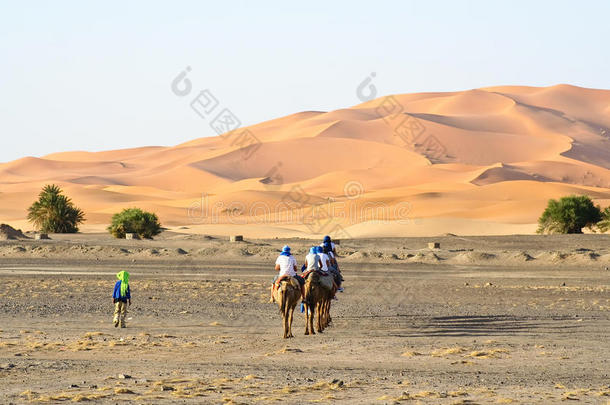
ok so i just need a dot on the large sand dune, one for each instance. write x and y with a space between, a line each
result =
471 162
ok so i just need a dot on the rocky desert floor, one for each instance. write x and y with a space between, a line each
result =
513 319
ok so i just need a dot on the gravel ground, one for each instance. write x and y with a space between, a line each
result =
461 329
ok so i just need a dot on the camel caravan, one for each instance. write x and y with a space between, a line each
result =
317 285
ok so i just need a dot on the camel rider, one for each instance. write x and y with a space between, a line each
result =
324 259
333 266
329 244
329 248
312 262
286 264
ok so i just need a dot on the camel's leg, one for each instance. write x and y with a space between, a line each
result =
311 310
319 317
324 314
312 314
326 306
306 325
306 319
330 301
290 315
284 311
285 321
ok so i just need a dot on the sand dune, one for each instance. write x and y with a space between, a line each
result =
483 160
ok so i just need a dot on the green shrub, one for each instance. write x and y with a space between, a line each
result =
604 224
54 212
569 215
134 220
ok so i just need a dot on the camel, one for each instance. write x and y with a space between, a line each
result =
287 296
317 299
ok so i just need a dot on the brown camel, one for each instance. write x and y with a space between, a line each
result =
317 299
324 318
287 296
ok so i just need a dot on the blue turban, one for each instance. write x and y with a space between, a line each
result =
286 251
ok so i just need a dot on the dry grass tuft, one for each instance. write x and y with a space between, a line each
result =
123 390
62 396
177 380
488 354
407 396
81 345
447 351
114 343
411 354
189 344
88 397
28 394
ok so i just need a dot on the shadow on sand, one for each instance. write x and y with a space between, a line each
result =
488 325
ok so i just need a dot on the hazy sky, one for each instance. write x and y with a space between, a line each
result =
85 75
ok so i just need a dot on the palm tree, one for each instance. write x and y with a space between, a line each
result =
54 212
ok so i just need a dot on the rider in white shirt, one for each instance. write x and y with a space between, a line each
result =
325 263
286 265
329 247
312 262
323 258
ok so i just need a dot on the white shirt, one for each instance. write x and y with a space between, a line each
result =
313 262
287 265
324 258
331 255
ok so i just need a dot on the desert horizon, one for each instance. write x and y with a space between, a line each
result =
476 162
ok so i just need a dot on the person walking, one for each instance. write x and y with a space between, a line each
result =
120 297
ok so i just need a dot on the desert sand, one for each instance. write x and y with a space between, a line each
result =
497 316
476 162
494 319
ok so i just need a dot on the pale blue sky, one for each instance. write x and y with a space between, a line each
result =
85 75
